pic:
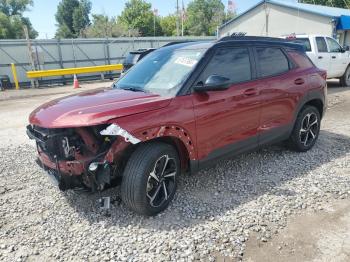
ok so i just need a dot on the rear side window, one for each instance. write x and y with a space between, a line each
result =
271 61
132 58
321 45
301 59
305 42
233 63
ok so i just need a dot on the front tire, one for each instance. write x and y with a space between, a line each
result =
345 79
149 179
306 129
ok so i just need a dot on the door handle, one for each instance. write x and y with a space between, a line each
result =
299 81
320 57
250 92
334 57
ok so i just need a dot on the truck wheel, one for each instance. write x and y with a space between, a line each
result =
149 178
306 129
345 79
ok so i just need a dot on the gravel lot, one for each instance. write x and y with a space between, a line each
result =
212 217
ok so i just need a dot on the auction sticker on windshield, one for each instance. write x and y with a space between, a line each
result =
186 61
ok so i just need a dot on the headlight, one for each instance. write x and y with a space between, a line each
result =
93 166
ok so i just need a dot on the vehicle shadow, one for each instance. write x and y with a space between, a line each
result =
224 188
335 87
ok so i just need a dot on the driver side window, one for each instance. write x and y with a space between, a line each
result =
334 47
232 63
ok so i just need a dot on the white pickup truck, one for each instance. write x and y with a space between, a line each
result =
326 53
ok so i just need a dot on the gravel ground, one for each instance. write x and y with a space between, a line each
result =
212 216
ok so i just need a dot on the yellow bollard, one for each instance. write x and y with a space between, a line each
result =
14 73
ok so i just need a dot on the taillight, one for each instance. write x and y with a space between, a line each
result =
323 74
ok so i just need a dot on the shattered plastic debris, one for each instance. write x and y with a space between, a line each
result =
115 130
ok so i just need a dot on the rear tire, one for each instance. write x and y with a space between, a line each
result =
345 79
149 179
306 129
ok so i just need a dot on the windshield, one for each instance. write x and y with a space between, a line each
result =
162 72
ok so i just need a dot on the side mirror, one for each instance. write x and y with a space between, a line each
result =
213 83
346 48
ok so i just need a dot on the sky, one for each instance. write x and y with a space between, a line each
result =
42 14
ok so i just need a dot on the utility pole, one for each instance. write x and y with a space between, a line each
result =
34 83
177 18
182 18
267 11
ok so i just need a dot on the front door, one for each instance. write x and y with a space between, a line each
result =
339 60
227 120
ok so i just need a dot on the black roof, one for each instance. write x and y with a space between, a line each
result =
257 40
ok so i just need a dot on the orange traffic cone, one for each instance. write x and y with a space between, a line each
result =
76 82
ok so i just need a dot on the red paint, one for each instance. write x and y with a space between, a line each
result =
198 123
94 107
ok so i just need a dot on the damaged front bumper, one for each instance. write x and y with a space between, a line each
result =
84 168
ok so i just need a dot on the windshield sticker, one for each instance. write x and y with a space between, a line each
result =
185 61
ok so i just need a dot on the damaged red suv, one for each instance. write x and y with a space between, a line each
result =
178 110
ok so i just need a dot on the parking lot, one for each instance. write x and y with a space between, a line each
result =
272 204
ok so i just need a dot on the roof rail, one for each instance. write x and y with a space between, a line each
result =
257 38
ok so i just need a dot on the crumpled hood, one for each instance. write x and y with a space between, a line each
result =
94 107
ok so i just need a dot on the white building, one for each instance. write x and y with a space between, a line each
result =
277 18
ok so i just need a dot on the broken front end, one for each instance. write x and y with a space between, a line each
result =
84 157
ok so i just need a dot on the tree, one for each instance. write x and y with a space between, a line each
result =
14 7
103 26
168 25
81 17
204 16
229 15
137 15
73 18
12 20
333 3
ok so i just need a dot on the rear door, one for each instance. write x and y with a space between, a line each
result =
278 100
228 120
323 57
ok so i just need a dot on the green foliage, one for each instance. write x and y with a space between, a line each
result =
73 18
229 16
138 15
14 7
204 16
103 26
12 20
168 24
333 3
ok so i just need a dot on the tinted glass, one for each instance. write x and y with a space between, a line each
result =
321 45
132 58
305 42
272 61
232 63
334 47
161 72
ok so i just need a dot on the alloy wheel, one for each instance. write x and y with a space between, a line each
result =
161 181
309 129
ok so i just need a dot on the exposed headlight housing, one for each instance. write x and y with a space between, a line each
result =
93 166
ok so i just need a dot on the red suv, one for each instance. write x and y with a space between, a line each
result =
176 111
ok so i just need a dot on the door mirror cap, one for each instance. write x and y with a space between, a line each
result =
213 83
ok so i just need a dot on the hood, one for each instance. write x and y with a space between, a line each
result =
94 108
